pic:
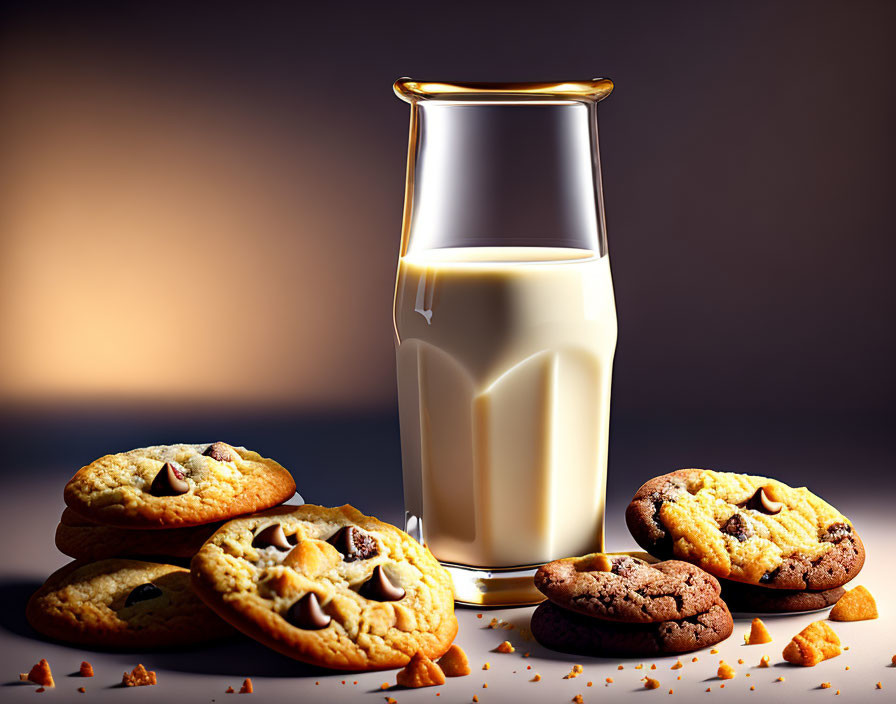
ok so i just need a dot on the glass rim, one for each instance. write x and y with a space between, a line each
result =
590 91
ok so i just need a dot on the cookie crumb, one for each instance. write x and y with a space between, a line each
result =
893 660
420 672
528 667
639 667
816 642
589 684
40 674
879 686
475 698
725 672
721 686
81 690
758 633
709 689
650 683
574 672
454 662
780 679
247 686
536 678
856 605
764 661
139 677
837 692
670 691
478 615
505 647
525 655
847 667
578 699
677 666
679 677
390 700
86 669
384 686
752 687
486 666
620 667
40 689
825 685
747 675
493 623
694 659
653 667
714 651
609 680
229 690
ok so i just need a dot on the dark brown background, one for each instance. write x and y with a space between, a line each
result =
200 208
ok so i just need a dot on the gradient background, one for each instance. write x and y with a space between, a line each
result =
200 207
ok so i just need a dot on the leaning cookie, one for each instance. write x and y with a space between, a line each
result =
557 628
123 603
328 586
174 486
82 539
747 529
745 598
623 588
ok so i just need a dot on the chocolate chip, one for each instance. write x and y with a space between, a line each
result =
169 482
272 535
769 576
836 532
762 502
738 527
379 588
354 544
306 613
219 451
143 592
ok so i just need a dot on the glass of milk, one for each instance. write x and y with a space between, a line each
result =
505 330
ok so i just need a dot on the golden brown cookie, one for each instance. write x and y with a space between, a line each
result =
174 486
747 529
328 586
123 603
83 539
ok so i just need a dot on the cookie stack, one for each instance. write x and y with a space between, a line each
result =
161 503
619 605
774 548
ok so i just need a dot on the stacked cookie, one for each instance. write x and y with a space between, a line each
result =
619 605
774 548
160 503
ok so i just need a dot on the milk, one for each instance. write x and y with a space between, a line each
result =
504 362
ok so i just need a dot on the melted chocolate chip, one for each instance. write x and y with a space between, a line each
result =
762 502
169 482
354 544
836 532
380 588
143 592
272 535
738 527
306 613
219 451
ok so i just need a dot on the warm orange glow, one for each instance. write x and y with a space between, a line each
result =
158 242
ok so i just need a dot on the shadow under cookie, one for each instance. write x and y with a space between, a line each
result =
745 598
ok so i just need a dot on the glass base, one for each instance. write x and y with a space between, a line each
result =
511 586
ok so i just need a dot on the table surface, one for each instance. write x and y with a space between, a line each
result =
32 503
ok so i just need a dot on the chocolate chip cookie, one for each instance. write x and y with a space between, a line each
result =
328 586
747 529
560 629
174 486
623 588
123 603
746 598
83 539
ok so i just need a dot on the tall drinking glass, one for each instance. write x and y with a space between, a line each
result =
505 329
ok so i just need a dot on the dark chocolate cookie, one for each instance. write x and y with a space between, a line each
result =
623 588
559 629
747 529
746 598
